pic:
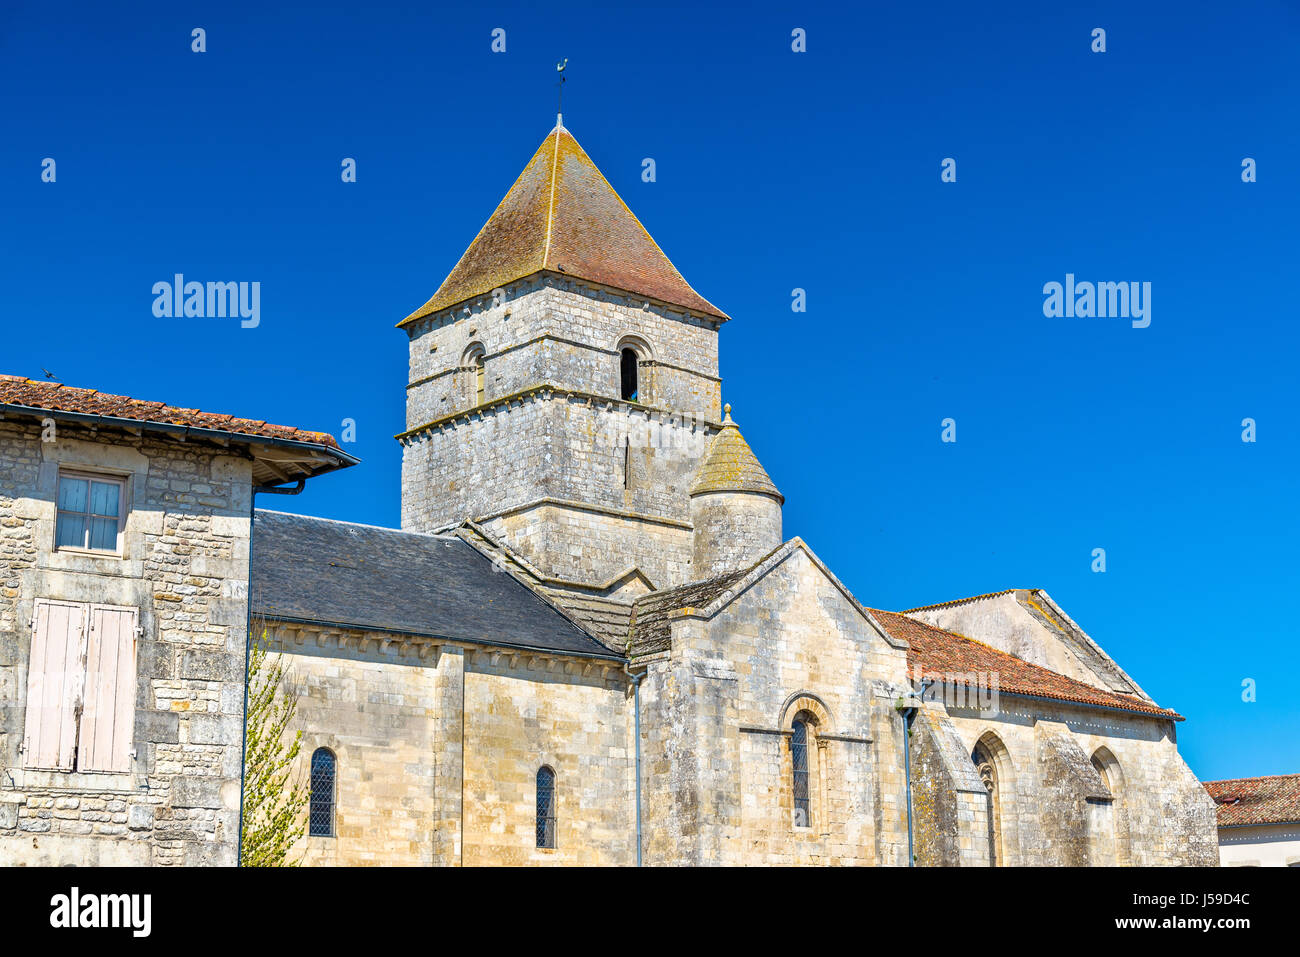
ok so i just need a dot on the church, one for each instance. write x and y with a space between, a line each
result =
589 642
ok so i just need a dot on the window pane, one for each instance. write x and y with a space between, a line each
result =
72 531
103 533
799 764
321 812
545 808
72 494
104 498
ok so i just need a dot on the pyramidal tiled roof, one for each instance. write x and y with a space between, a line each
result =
732 466
562 215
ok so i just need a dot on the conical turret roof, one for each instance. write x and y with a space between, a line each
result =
562 215
732 466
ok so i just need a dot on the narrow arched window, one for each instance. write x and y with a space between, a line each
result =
479 391
628 370
545 808
988 775
799 765
321 814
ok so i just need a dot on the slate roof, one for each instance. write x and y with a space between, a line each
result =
381 579
933 649
563 216
1268 800
731 465
652 614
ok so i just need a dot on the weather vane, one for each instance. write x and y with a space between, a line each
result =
559 96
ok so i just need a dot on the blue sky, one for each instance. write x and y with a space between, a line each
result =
776 170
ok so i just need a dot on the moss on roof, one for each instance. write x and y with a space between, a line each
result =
732 466
561 215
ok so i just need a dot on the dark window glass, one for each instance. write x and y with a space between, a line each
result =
799 761
545 808
321 815
629 371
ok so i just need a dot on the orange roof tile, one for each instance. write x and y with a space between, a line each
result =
935 650
563 216
56 397
1267 800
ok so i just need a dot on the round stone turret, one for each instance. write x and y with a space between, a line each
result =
735 507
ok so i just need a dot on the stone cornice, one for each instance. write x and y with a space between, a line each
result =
546 391
293 635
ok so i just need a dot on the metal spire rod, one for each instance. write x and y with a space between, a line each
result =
559 95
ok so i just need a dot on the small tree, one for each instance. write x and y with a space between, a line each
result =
273 806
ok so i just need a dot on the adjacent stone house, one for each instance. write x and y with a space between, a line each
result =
1259 820
124 561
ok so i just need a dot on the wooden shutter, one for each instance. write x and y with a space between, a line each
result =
108 715
54 679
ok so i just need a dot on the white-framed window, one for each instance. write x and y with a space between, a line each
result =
91 512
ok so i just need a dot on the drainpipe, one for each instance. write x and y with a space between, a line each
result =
908 713
636 711
248 634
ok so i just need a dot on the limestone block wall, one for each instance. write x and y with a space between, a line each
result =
593 547
717 720
732 530
627 467
1160 813
557 330
949 802
184 568
523 712
438 748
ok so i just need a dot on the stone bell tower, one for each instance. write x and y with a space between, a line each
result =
564 386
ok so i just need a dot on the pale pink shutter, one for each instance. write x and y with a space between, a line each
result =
109 712
54 676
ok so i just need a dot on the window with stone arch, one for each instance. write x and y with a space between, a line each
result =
634 385
475 362
545 807
805 722
988 756
320 815
1108 824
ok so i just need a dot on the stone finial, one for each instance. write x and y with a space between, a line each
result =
726 411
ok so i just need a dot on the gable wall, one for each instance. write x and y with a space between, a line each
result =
1001 622
718 771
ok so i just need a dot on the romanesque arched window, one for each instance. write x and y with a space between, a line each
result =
320 815
545 807
628 373
799 767
1107 822
475 359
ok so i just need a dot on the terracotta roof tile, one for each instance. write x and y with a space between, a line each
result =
56 397
563 216
1267 800
935 650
